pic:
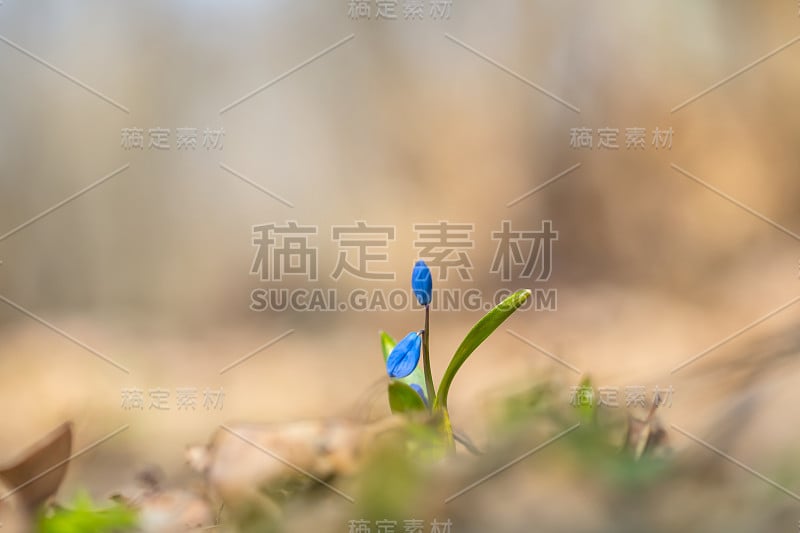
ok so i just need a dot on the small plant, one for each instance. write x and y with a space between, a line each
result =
411 388
84 517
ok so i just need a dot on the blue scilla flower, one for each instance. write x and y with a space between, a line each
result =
422 283
404 357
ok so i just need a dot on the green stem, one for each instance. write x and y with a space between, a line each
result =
426 358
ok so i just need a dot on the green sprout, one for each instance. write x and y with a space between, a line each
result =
84 517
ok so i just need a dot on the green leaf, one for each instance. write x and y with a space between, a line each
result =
587 403
479 332
404 399
84 517
417 377
387 344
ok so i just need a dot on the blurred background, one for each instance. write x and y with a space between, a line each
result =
328 115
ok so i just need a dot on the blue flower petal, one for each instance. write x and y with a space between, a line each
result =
422 282
419 390
405 356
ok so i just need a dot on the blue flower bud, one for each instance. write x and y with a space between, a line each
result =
405 356
422 283
419 390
